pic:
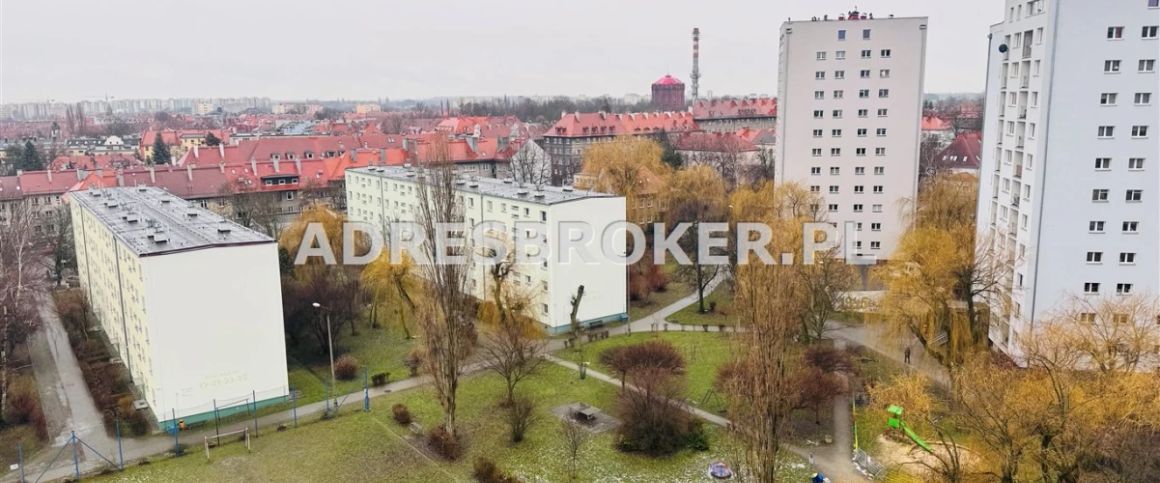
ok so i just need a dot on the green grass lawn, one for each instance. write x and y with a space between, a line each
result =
674 291
372 447
722 315
19 434
380 350
704 353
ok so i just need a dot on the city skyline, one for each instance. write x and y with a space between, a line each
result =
256 48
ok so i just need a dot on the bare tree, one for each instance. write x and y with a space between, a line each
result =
826 282
251 207
531 164
448 329
574 437
511 340
18 281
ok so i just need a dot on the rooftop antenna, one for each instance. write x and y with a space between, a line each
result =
696 75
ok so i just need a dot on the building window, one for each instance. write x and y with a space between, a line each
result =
1139 131
1148 32
1147 65
840 55
817 133
1127 258
834 170
839 94
1133 196
833 207
878 189
860 170
864 73
863 112
860 151
818 114
1142 98
876 208
841 35
866 54
1115 33
1123 288
882 113
1153 3
836 133
835 151
839 74
1108 99
1091 288
822 55
857 207
1095 226
1135 164
875 227
862 132
816 152
834 189
880 151
880 132
1103 164
1099 195
1095 257
815 189
820 75
874 245
1105 132
819 95
879 170
884 73
859 189
816 170
863 93
1111 66
1130 226
837 114
884 53
865 34
883 93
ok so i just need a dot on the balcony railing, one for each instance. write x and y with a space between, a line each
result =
1019 142
1019 171
1024 81
1023 113
1027 52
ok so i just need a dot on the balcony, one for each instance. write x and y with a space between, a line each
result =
1023 113
1018 171
1026 51
1015 201
1019 142
1024 82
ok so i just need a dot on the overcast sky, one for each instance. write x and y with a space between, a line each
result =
291 49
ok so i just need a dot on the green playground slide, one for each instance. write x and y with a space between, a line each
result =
917 440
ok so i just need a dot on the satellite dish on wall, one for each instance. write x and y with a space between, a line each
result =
1002 48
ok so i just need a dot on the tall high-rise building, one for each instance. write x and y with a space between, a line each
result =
1068 186
850 102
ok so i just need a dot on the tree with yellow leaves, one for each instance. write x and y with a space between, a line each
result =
329 283
695 195
393 284
629 166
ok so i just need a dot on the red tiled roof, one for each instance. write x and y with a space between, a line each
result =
173 137
735 108
606 124
668 80
94 161
934 123
962 153
711 142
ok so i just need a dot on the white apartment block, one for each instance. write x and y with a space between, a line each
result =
1069 188
384 195
190 301
850 101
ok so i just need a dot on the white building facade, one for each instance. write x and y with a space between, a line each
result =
383 195
850 108
190 301
1068 186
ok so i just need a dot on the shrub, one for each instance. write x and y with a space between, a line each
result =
654 354
380 379
486 471
414 361
346 367
520 416
828 359
22 404
443 443
653 419
401 414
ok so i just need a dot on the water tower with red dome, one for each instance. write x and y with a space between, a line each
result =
668 94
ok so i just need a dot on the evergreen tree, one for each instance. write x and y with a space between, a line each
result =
161 154
30 159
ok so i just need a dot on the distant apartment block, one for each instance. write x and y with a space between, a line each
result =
733 114
190 301
383 195
574 133
850 102
1069 190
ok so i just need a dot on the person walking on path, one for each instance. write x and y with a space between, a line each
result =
906 355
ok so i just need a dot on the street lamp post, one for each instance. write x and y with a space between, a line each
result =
330 344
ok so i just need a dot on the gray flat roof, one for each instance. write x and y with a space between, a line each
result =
152 221
545 195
